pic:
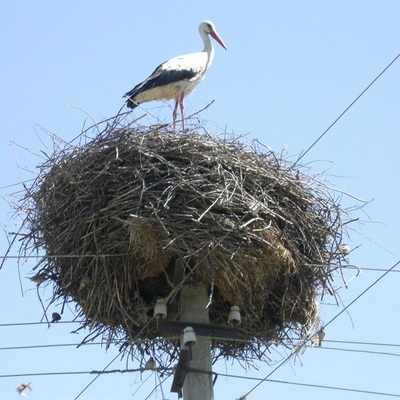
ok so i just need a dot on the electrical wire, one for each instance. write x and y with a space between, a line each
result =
310 385
103 372
379 270
80 256
155 388
345 111
363 292
138 341
37 323
380 353
104 343
199 371
46 346
294 352
99 373
143 382
96 372
118 354
45 374
261 380
363 343
18 257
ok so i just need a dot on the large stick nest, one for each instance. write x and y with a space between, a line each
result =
136 212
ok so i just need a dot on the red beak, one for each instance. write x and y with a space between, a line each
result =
215 36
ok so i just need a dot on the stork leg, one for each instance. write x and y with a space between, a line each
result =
175 112
182 106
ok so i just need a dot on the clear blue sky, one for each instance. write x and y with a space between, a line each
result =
291 68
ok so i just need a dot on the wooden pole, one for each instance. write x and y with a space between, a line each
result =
193 301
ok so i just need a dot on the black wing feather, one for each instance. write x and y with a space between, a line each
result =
160 79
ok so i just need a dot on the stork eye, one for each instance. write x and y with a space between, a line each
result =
209 27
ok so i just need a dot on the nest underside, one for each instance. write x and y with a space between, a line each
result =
136 213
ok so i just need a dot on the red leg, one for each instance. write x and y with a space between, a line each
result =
175 112
182 105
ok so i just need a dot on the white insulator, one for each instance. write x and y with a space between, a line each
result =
189 337
160 309
234 317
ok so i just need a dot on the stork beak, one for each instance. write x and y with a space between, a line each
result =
215 36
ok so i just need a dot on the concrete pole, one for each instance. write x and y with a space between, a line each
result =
193 301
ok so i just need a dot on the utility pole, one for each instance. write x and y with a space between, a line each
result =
193 301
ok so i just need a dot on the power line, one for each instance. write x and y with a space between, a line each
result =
81 256
138 341
47 374
295 383
103 372
333 319
345 111
363 343
379 270
380 353
363 292
43 346
38 323
96 377
58 256
61 256
92 372
335 388
312 385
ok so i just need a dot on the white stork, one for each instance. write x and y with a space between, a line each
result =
178 76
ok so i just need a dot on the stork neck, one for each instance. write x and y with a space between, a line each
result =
208 47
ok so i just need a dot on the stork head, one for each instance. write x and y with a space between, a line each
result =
207 27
